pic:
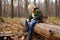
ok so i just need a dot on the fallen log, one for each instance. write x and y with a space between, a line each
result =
46 30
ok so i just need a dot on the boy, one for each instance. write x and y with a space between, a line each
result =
35 17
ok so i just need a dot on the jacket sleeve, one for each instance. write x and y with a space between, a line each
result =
30 17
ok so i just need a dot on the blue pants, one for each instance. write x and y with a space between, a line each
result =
31 25
30 28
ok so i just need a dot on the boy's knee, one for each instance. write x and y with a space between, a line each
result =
31 24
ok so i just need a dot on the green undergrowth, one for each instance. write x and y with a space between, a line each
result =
53 18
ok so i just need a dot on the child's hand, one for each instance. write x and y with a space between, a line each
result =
28 20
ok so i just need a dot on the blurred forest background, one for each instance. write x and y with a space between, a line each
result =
18 8
12 10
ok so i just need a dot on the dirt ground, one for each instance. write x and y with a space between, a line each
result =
12 26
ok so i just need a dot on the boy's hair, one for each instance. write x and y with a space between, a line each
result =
31 7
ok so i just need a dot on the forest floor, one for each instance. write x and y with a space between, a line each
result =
12 26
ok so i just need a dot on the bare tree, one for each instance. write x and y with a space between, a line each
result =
35 2
4 7
47 7
59 8
0 8
12 9
51 8
18 8
26 4
56 9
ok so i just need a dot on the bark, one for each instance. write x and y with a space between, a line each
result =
12 9
47 7
59 8
35 2
0 8
26 6
4 8
18 8
56 9
47 30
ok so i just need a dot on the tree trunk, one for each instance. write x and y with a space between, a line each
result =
56 8
35 2
18 8
59 8
47 7
12 9
4 8
47 30
26 6
0 8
